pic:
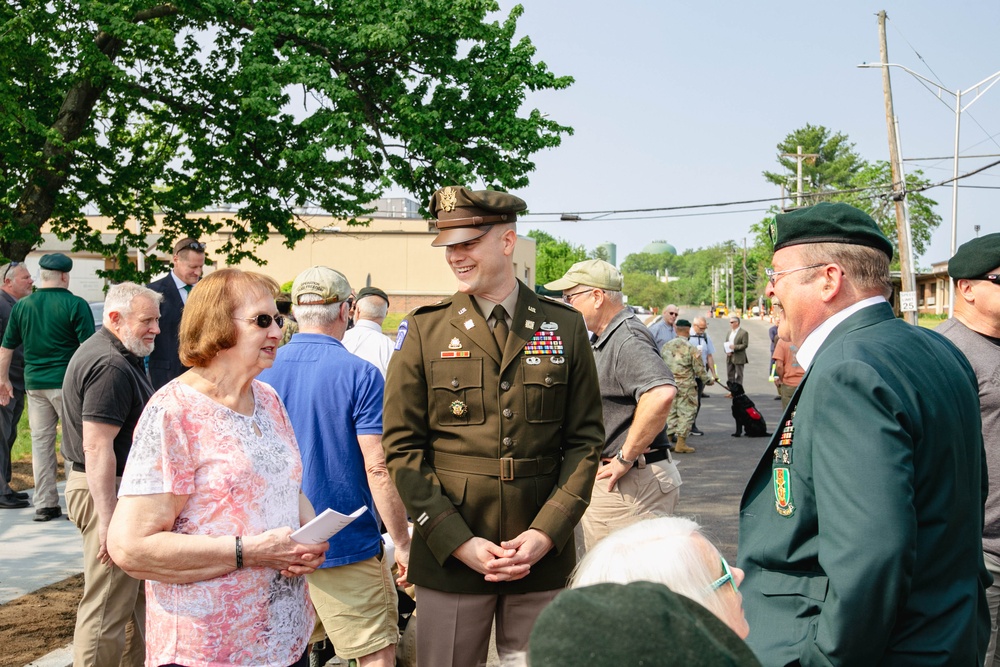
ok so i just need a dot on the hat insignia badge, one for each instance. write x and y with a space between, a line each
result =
448 199
455 344
458 408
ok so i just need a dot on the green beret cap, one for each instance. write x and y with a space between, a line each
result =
56 262
463 214
640 623
976 258
829 222
680 324
590 272
373 291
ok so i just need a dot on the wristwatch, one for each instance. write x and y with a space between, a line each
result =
624 461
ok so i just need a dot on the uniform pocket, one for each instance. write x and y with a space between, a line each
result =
458 391
453 487
544 388
805 584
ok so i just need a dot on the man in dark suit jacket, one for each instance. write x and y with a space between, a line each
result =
188 261
736 354
861 528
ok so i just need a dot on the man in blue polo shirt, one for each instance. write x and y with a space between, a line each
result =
334 400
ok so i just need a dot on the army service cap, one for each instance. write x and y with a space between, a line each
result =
56 262
592 273
829 222
975 258
329 285
464 215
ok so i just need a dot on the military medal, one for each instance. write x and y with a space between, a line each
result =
533 361
782 476
558 360
544 342
458 408
783 492
455 344
549 326
456 354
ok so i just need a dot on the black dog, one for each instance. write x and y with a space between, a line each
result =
745 413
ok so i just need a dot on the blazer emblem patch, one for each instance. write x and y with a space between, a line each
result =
783 492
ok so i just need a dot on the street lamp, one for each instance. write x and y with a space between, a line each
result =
988 82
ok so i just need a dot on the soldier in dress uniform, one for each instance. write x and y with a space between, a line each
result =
685 363
492 432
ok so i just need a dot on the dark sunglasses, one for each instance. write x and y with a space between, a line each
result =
194 245
12 265
264 320
992 277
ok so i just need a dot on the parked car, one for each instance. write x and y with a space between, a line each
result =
97 308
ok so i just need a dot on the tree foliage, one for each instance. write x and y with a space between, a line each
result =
134 108
554 256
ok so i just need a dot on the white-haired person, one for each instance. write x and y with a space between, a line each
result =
672 551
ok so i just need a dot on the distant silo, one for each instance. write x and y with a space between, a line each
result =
612 250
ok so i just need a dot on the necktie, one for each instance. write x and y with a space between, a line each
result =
187 288
500 328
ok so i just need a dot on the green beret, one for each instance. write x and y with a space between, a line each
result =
640 623
976 258
829 222
56 262
680 324
463 214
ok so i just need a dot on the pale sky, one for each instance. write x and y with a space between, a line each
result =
684 103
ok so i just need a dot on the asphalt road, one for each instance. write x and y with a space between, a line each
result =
713 478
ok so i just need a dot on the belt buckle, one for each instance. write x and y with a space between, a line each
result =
640 462
506 469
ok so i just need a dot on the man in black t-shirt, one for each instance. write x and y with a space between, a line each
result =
104 393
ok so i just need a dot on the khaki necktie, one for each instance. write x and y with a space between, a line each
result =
500 328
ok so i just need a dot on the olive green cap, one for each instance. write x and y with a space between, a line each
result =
829 222
56 262
639 623
464 215
976 258
592 273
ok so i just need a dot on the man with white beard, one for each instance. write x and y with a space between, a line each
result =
104 392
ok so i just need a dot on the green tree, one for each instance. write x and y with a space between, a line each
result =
834 168
643 289
553 256
134 108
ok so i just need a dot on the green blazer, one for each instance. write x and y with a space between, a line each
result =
480 444
862 539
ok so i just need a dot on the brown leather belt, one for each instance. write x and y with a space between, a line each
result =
506 468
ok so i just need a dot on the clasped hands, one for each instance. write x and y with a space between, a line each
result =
510 560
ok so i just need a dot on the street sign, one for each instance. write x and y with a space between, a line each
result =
907 302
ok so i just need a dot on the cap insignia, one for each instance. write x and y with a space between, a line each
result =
448 199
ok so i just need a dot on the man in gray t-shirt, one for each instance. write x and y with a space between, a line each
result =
636 477
975 330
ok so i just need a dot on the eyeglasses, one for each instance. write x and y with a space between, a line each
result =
992 277
727 576
12 265
772 275
264 320
672 312
568 298
193 245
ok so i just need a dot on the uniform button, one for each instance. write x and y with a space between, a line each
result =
454 382
508 413
548 379
505 385
507 442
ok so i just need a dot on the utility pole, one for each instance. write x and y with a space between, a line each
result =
799 157
909 291
744 276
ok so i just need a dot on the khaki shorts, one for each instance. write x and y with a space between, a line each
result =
356 605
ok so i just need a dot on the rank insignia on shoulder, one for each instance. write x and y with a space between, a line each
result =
469 324
401 334
549 326
458 408
783 492
455 344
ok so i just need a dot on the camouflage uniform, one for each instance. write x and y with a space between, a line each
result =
685 363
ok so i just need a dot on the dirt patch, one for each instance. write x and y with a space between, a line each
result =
36 624
21 477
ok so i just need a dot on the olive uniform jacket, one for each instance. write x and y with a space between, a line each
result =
861 528
489 447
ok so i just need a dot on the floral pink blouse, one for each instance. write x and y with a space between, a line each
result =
238 482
